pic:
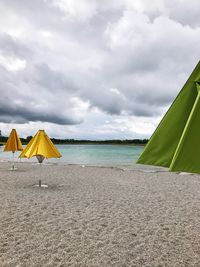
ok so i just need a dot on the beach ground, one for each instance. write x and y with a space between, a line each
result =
98 217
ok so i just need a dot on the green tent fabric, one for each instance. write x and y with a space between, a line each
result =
176 141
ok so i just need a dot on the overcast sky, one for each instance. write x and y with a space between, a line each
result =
95 69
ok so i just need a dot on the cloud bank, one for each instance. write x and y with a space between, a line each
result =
71 64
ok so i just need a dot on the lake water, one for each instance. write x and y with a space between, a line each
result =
92 154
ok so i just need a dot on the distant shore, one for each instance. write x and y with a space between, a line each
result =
3 140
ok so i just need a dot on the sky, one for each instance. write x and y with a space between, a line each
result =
94 69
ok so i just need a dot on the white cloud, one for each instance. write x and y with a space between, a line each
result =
12 64
77 10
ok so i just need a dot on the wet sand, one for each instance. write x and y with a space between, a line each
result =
98 217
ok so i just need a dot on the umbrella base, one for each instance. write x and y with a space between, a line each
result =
13 169
42 185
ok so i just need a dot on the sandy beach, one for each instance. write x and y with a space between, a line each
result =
98 217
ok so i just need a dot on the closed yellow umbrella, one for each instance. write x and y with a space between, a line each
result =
13 144
41 147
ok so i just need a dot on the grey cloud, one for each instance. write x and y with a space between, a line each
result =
38 12
10 112
13 47
36 99
108 102
147 64
54 80
185 12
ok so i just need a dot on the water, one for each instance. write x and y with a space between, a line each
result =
100 154
104 155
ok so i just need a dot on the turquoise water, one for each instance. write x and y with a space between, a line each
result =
100 154
92 154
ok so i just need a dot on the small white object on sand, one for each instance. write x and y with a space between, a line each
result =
42 185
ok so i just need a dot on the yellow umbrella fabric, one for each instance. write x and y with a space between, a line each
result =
13 143
40 145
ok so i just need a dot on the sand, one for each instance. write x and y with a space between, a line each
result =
98 217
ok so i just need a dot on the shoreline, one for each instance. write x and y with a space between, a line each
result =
130 167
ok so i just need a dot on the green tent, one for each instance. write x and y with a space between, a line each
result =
176 141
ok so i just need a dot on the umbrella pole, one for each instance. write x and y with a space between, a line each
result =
40 181
13 164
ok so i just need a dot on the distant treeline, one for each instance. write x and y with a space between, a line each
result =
3 139
122 142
